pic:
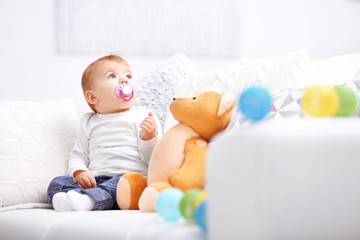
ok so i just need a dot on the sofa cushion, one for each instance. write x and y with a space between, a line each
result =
35 141
340 70
275 74
157 88
34 224
286 77
287 103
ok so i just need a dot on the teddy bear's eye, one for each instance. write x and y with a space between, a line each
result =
173 99
194 98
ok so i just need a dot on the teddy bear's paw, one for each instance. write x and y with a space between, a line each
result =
147 202
192 173
129 190
187 178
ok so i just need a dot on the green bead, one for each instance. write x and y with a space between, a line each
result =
348 101
187 207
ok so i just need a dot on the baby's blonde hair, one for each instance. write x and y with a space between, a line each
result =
87 80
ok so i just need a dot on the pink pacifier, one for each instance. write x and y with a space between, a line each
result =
124 91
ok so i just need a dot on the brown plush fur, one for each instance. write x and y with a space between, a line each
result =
133 184
201 114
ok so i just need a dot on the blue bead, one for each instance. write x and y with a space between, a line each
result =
168 204
255 103
200 216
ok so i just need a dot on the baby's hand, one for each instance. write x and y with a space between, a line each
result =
148 127
84 179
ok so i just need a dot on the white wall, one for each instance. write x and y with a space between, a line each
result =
322 27
31 69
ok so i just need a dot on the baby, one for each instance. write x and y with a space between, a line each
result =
113 140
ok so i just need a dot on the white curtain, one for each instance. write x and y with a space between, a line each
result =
157 27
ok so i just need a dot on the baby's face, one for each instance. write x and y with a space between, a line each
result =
107 75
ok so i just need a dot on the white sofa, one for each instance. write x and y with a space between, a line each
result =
35 140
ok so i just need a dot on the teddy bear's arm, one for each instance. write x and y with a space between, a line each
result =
192 173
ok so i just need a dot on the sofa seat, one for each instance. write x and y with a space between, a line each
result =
113 224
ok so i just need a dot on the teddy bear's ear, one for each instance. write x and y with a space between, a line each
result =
227 103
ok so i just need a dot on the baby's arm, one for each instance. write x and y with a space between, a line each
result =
148 128
79 158
153 132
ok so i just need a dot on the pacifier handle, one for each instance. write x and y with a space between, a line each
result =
124 91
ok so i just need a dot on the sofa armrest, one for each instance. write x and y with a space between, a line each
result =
286 180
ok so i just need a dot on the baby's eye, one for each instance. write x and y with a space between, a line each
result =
112 75
129 76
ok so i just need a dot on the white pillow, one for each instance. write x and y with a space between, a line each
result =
286 77
276 74
287 103
273 73
157 89
335 70
35 141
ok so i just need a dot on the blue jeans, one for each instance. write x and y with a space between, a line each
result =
104 194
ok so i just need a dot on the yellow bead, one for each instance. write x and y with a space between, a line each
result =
200 198
320 101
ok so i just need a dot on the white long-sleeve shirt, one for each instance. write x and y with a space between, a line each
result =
110 144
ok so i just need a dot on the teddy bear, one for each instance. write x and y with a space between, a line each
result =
178 159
